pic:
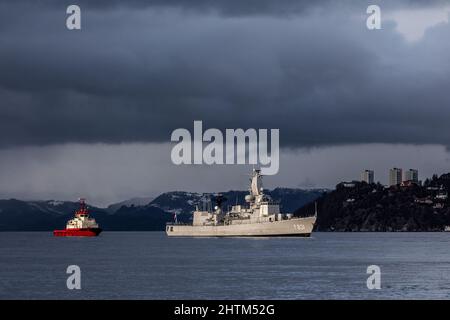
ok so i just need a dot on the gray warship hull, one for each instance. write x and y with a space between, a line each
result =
297 227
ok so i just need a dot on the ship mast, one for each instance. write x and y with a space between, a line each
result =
256 187
83 208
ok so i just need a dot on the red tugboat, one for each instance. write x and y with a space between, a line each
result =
80 226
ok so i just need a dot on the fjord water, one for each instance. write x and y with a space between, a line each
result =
148 265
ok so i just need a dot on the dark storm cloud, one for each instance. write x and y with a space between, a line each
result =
137 70
228 7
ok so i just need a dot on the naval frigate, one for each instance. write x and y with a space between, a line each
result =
260 217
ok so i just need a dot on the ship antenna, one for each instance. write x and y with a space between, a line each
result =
82 202
315 205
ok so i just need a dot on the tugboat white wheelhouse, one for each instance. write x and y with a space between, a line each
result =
262 217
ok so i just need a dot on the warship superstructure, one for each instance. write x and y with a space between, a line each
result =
260 217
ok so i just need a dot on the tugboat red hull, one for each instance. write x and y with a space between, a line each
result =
87 232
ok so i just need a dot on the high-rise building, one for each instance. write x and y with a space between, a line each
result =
411 175
395 176
367 176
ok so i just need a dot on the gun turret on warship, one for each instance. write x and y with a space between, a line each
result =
261 217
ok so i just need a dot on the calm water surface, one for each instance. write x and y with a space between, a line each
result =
148 265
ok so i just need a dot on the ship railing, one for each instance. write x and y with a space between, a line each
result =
250 221
178 224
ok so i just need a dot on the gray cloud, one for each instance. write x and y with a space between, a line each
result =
226 7
137 71
109 173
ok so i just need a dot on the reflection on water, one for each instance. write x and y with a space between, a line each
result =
148 265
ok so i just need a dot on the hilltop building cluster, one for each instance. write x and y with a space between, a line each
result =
396 177
406 204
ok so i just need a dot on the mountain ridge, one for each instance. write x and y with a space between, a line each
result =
46 215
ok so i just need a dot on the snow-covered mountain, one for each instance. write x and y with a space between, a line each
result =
183 203
137 201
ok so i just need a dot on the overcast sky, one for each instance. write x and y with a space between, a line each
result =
90 112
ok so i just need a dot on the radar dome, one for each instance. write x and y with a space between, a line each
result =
249 198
